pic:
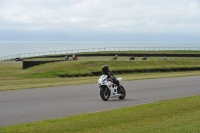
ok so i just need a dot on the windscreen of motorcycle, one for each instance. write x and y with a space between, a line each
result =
102 78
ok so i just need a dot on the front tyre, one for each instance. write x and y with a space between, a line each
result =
123 93
104 93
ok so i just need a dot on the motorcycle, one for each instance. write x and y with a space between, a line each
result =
18 59
109 90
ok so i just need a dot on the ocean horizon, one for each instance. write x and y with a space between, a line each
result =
20 47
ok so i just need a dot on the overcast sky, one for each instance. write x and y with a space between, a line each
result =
100 20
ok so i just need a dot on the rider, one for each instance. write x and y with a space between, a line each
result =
165 58
67 57
132 57
115 57
106 71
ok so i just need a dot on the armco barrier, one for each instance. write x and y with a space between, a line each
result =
27 64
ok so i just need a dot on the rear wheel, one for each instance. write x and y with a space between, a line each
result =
105 93
123 93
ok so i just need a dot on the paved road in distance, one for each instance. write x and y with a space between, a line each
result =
22 106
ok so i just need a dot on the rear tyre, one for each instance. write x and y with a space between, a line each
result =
123 93
105 93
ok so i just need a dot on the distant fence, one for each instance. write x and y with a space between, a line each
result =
61 52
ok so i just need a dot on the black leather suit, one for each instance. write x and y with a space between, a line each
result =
112 77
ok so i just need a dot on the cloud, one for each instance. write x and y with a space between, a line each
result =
92 16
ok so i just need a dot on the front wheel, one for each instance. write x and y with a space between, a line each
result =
104 93
123 93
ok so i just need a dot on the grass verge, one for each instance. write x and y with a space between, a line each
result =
12 77
86 68
28 83
178 115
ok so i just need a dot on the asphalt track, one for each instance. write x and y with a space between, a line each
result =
22 106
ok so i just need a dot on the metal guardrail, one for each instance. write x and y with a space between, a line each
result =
53 53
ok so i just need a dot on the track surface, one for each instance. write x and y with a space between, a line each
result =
22 106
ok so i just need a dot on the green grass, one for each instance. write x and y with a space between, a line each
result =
12 77
169 116
85 68
15 83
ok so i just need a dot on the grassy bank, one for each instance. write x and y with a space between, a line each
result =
86 68
179 115
12 76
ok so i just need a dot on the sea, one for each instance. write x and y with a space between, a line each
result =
20 47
